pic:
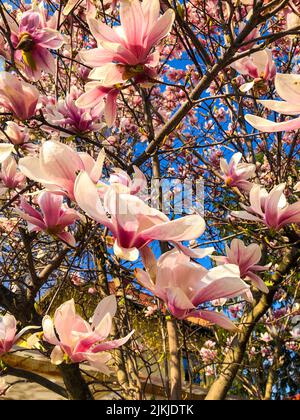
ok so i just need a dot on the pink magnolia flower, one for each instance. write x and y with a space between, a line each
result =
58 165
259 66
288 88
18 97
236 174
124 52
133 223
32 40
122 183
5 151
53 218
184 285
19 136
8 333
271 209
76 340
10 177
128 46
68 115
246 257
100 97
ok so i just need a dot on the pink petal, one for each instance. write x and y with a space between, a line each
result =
161 28
68 238
87 198
216 318
50 205
110 345
268 126
220 282
183 229
108 305
288 87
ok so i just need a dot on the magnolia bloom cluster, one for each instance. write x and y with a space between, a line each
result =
208 352
66 114
124 52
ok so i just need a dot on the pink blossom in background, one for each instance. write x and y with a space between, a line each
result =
246 257
18 97
236 174
271 208
58 165
53 218
20 137
66 114
77 340
101 98
122 183
10 177
288 88
184 285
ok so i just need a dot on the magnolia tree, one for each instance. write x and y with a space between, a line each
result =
149 196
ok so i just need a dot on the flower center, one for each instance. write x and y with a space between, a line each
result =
26 43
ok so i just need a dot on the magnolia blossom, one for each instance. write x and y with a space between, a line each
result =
246 257
53 219
133 223
184 285
124 52
10 177
271 208
66 114
259 66
32 40
18 97
236 174
76 340
19 136
128 46
58 165
95 94
122 183
288 88
8 333
5 151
